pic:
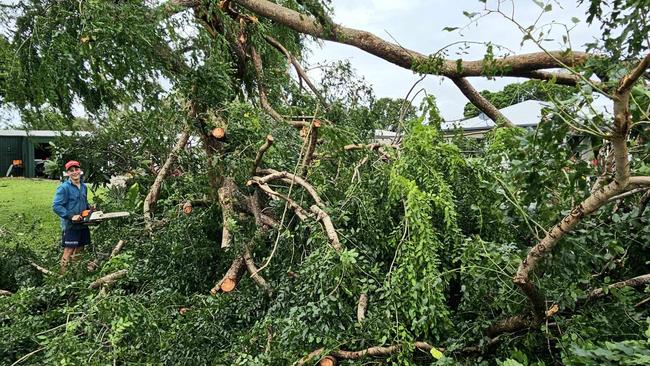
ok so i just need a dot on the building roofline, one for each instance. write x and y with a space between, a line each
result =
42 133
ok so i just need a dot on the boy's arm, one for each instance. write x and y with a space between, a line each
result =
58 205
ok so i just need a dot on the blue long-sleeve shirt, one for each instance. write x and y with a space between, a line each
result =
69 201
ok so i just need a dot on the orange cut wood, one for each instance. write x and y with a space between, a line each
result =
327 361
228 285
187 208
218 133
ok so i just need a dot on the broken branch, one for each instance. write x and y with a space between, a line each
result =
362 306
259 73
299 70
254 272
300 212
311 147
229 281
260 153
108 279
632 282
43 270
118 247
290 178
226 197
326 221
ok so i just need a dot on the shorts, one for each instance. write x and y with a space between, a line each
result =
75 238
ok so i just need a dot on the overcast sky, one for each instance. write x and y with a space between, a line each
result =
418 24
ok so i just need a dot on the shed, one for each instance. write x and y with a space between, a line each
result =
29 147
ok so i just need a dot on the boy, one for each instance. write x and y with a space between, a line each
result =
70 199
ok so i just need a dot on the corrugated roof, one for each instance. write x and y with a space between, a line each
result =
42 133
527 114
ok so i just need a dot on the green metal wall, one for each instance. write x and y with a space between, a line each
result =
11 148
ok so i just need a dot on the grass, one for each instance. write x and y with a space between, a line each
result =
26 217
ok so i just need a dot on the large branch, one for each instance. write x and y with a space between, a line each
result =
154 191
520 65
326 222
481 103
618 138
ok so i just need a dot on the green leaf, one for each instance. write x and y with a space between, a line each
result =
436 353
575 20
449 29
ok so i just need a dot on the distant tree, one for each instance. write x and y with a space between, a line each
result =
387 113
519 92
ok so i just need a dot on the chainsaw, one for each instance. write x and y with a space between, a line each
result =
93 217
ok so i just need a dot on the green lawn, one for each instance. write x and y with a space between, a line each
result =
26 217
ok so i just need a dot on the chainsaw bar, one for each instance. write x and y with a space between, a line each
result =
99 216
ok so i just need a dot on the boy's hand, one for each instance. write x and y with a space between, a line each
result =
76 218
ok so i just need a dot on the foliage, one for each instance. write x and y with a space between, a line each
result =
624 24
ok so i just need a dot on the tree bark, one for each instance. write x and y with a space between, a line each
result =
260 154
618 138
632 282
118 247
326 222
154 191
362 306
520 65
229 281
108 279
254 272
482 103
226 199
311 147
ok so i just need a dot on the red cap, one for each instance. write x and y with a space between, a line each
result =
72 163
